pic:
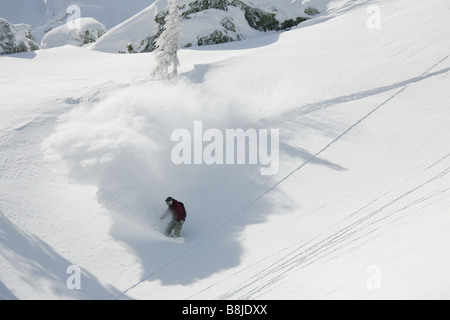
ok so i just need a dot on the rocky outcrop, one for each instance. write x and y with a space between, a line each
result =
16 38
228 31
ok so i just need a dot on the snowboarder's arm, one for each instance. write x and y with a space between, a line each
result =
165 214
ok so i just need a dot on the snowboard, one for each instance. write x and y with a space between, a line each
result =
178 239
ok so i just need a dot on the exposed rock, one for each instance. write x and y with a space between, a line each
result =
16 38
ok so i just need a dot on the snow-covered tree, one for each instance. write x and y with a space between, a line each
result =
167 45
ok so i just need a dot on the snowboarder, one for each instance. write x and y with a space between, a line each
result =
178 212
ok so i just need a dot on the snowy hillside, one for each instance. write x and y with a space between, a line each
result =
136 30
206 22
358 207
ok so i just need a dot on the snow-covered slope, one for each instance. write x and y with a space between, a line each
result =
358 209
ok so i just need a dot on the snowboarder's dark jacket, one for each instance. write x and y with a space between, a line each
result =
176 210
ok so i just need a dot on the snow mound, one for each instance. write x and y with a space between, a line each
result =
46 15
78 33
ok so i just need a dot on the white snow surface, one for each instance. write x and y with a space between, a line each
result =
358 210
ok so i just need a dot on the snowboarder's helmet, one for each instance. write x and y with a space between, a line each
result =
169 201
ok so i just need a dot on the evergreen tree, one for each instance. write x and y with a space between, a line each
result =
167 45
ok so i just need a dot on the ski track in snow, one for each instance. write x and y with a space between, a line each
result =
330 245
311 252
317 249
